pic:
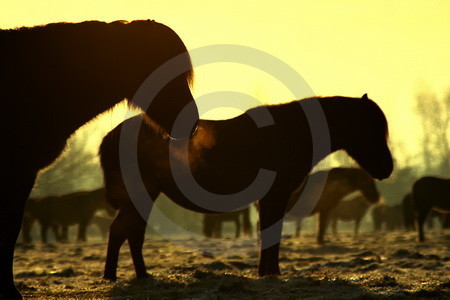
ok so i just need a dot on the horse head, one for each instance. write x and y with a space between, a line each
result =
368 141
366 185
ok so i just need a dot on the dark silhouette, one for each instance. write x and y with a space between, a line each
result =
408 212
59 212
225 157
212 224
340 183
391 216
430 193
57 77
350 210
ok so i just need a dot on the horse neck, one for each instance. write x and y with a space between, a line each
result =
342 119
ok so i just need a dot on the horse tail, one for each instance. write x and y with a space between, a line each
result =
246 222
110 163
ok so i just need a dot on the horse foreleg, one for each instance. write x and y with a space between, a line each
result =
237 223
271 215
323 223
82 231
64 233
15 194
44 229
421 217
298 227
357 224
334 226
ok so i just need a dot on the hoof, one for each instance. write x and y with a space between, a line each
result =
143 276
110 278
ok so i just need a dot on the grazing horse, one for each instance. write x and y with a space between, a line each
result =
339 183
57 77
212 224
430 193
214 170
350 210
389 215
59 212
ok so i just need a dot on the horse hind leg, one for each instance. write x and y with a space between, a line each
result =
323 223
129 225
117 236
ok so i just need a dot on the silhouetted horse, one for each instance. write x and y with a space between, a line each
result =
350 210
59 212
212 224
389 215
339 183
225 157
57 77
430 193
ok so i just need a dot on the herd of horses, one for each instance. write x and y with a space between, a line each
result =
57 77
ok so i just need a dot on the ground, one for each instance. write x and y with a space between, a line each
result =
381 265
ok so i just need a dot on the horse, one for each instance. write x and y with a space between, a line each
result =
339 183
212 224
57 77
59 212
227 164
389 215
430 193
350 210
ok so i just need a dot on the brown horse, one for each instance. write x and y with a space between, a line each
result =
339 183
57 77
59 212
430 193
225 166
212 224
350 210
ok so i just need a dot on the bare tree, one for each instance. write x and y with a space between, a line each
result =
435 118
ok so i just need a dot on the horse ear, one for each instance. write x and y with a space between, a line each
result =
364 97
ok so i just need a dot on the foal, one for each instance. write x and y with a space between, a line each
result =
225 157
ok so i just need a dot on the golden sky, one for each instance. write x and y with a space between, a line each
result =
388 49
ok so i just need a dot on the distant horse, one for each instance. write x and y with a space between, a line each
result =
57 77
340 183
59 212
430 193
350 210
225 156
391 216
212 224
